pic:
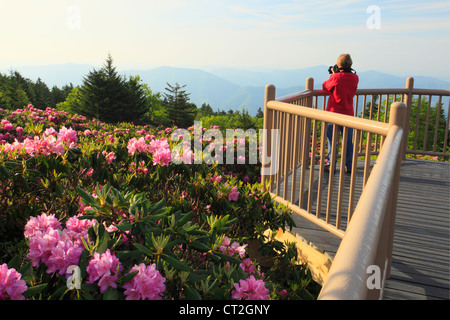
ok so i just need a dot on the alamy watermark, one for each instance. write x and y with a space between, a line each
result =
374 20
74 281
73 21
223 151
374 279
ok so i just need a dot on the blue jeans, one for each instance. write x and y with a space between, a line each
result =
349 153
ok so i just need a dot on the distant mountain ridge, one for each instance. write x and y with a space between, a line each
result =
225 88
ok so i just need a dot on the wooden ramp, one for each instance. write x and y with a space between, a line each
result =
421 253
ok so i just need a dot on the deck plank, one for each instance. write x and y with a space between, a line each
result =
421 251
420 261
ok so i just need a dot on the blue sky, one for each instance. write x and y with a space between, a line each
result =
403 37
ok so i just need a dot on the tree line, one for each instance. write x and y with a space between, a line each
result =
17 92
110 97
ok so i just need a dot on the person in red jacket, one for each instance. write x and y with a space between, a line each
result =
342 86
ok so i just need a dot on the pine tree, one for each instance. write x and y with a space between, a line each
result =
109 97
137 100
181 112
12 94
43 97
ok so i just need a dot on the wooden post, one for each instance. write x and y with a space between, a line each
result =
397 118
309 86
269 95
408 103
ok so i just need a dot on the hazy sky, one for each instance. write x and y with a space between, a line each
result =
403 37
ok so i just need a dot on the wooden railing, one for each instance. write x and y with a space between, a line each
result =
427 130
299 127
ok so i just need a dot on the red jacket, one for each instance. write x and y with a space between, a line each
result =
342 86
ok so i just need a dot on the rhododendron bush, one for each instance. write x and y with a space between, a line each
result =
90 210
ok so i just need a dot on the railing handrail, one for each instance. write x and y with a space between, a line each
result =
347 278
433 140
372 126
307 93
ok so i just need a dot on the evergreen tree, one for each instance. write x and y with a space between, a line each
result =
206 110
12 95
181 112
109 97
136 102
420 110
259 113
43 97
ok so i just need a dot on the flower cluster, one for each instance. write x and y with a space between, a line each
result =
52 142
146 284
56 248
250 289
231 248
115 263
105 267
159 148
11 284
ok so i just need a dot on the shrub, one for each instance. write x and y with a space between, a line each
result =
92 211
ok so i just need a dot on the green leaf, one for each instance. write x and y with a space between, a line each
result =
104 238
176 263
91 287
228 258
124 226
33 291
184 220
144 249
191 293
199 246
5 172
111 294
58 292
86 216
88 199
59 191
159 207
129 276
14 262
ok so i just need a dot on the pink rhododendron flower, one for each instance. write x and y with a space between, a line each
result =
159 148
11 284
8 127
41 223
69 136
64 254
135 145
90 172
41 245
110 156
162 156
77 229
248 266
250 289
233 195
146 284
231 248
105 267
51 142
50 132
56 248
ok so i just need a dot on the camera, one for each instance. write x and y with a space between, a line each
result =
334 68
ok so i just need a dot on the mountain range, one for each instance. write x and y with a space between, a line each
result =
225 88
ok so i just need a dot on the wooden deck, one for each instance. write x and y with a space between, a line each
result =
421 254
